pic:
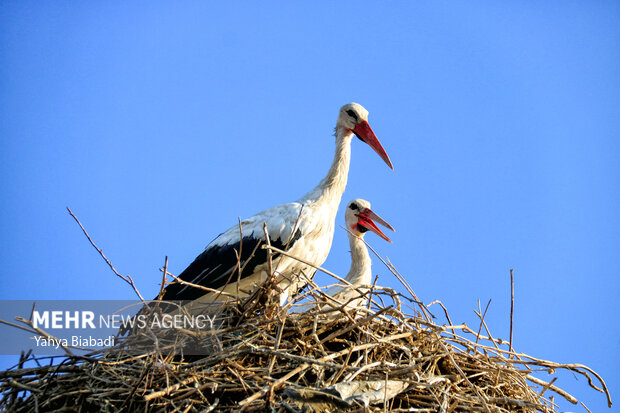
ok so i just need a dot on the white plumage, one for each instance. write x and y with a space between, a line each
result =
359 219
304 228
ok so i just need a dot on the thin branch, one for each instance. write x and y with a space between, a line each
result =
127 278
512 305
550 386
163 280
200 287
482 318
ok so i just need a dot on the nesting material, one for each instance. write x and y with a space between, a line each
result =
391 356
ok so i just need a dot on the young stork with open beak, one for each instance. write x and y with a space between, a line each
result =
304 229
359 219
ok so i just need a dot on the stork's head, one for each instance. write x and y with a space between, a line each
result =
354 118
360 218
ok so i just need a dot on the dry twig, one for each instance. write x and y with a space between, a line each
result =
127 278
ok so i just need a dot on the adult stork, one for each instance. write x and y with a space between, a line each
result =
303 228
359 219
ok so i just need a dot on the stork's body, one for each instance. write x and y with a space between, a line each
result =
304 228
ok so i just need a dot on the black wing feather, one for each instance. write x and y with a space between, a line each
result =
216 266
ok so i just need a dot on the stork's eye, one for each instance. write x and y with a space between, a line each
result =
352 114
354 207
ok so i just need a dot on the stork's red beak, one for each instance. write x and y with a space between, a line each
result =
366 218
363 131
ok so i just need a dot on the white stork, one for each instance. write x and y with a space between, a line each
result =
304 229
359 219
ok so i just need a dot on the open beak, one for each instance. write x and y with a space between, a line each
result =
367 219
363 131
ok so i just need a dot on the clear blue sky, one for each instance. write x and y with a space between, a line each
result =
161 123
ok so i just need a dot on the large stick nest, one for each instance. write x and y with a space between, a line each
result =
390 356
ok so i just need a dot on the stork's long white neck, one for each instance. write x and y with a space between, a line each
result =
329 190
360 272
